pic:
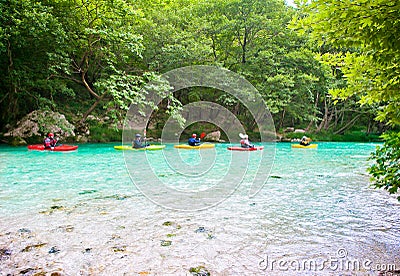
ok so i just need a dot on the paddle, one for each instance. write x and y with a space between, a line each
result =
55 144
202 135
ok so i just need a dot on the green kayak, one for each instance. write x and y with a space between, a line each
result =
151 147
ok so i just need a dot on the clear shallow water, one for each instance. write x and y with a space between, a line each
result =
316 205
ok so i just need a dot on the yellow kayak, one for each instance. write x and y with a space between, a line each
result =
298 146
202 146
151 147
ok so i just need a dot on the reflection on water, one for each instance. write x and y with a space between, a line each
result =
80 213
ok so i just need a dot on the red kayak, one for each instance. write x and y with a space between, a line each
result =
56 148
246 149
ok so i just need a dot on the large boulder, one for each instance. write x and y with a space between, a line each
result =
34 127
213 136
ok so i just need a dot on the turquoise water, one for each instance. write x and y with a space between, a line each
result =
316 205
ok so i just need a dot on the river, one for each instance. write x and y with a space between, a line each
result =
79 213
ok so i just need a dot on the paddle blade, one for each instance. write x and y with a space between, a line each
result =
202 135
241 135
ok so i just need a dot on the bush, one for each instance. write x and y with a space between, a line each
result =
385 171
102 133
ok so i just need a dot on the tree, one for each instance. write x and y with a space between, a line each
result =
100 52
370 29
252 38
171 36
29 33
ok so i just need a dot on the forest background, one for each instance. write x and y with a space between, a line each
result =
328 67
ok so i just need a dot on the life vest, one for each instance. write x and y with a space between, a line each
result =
53 142
47 142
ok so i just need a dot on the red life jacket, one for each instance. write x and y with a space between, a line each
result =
47 142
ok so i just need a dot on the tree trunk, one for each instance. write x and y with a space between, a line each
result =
348 125
244 47
328 121
90 110
325 118
282 118
315 112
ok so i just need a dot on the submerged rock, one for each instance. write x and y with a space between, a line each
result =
30 247
66 228
26 271
117 197
54 250
53 209
119 248
170 223
199 271
84 192
5 253
166 243
201 229
210 236
24 230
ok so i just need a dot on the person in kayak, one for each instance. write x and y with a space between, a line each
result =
193 141
138 142
245 143
50 142
305 141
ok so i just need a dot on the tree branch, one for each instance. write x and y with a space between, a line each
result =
88 87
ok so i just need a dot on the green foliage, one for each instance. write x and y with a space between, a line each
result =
95 56
100 47
369 63
103 133
385 171
28 33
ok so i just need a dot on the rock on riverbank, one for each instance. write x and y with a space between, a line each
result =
33 127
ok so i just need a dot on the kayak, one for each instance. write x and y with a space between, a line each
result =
202 146
56 148
151 147
298 146
246 149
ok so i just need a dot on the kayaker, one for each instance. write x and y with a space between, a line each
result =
137 143
193 141
245 143
49 141
305 141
